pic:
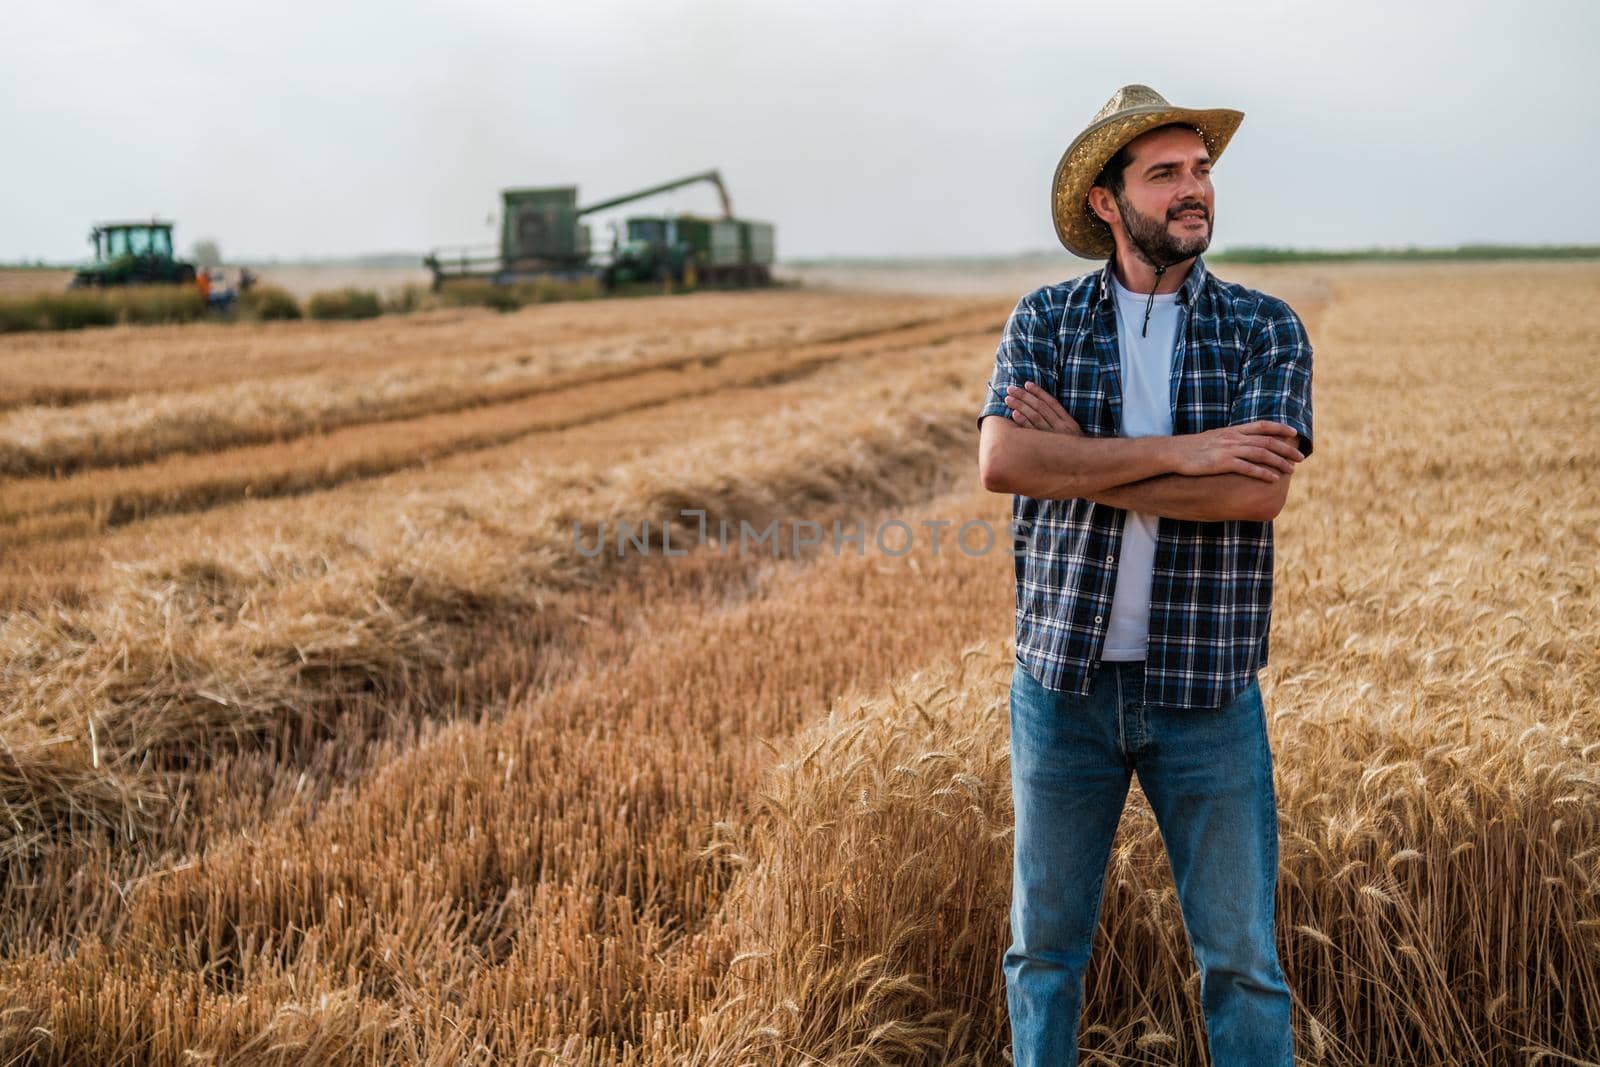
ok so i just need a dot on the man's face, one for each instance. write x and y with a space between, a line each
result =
1167 204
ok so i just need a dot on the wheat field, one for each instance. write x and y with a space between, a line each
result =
324 743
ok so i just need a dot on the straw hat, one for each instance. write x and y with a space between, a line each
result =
1132 110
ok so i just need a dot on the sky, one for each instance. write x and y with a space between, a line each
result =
858 128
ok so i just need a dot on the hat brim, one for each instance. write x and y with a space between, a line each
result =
1081 231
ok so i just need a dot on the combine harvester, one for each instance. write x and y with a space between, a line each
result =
541 237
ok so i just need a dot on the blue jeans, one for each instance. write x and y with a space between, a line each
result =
1208 776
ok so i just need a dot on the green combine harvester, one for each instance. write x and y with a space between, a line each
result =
133 253
542 236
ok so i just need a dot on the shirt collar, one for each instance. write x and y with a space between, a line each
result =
1104 293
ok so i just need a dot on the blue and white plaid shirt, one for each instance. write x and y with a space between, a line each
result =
1240 355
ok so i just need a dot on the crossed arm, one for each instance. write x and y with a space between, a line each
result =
1235 472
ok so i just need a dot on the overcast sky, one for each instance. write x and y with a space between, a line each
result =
859 128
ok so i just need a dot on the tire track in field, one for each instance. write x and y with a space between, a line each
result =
73 366
203 434
95 501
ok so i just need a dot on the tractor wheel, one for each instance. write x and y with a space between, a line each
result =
185 275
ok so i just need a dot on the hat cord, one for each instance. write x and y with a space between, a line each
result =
1151 302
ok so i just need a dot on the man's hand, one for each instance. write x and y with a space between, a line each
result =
1260 449
1036 409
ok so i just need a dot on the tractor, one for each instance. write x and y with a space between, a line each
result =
133 253
652 253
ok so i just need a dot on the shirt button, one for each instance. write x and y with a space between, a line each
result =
1110 557
1097 618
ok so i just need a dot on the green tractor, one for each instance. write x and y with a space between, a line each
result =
653 253
133 253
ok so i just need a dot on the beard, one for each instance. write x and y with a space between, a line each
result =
1151 239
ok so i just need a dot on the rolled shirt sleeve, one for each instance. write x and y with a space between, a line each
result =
1275 382
1026 353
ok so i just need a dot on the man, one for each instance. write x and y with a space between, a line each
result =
1151 418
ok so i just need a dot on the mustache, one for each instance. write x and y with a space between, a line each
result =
1175 212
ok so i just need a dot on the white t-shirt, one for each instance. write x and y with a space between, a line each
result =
1146 411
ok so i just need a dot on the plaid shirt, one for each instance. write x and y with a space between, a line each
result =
1240 356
